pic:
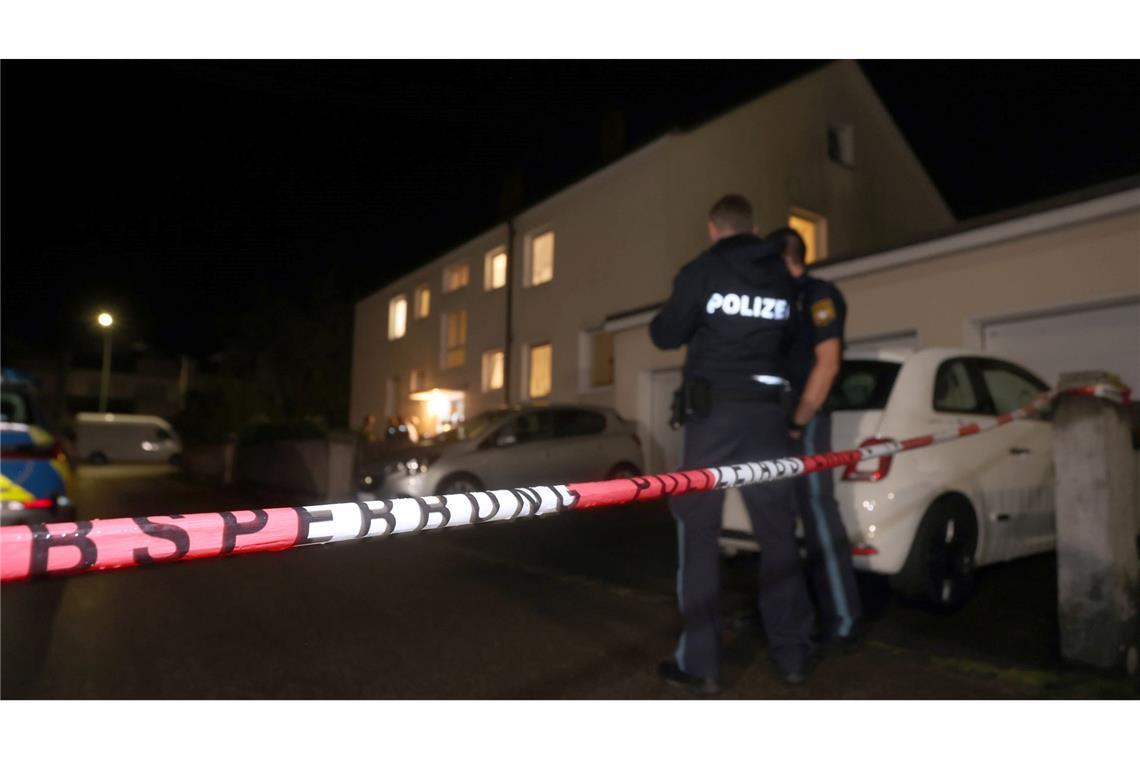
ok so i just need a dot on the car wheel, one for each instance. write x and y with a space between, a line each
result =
97 457
175 460
940 567
622 470
460 483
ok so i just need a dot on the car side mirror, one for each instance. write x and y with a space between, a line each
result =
506 439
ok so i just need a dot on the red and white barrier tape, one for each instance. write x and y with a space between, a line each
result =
88 545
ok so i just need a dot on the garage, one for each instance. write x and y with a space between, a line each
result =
1104 335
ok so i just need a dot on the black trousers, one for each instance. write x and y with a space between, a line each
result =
829 567
739 432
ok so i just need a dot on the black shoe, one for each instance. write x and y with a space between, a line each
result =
848 644
668 672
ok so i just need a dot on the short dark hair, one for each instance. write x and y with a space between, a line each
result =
794 246
732 213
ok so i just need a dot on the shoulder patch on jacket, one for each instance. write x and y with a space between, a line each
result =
823 312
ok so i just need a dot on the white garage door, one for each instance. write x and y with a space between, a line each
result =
1106 337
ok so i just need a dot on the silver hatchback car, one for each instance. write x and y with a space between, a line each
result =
509 448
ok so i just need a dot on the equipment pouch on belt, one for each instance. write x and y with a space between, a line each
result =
692 399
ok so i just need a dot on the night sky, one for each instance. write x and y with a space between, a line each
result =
171 192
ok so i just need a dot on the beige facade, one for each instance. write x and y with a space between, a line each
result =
621 234
1054 261
382 368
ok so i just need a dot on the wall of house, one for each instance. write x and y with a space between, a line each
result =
375 359
774 150
945 298
622 233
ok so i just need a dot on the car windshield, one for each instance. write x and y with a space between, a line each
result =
863 384
468 429
15 405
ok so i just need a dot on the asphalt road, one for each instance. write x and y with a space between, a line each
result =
578 605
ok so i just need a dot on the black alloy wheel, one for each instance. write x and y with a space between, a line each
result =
940 567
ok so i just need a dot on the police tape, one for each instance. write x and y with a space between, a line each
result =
52 549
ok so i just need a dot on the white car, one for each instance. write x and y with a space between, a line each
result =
508 448
929 516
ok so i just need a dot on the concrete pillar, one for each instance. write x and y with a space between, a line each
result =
1096 526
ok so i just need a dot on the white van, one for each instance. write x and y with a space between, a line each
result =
102 438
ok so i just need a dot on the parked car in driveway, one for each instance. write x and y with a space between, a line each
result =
509 448
36 477
928 517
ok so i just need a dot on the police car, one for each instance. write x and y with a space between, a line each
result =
928 517
36 477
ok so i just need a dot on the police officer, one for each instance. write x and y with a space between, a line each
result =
815 357
732 305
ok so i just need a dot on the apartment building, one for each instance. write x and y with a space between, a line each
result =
820 153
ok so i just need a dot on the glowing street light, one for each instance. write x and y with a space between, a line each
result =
105 321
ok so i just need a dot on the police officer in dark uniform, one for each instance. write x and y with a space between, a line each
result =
815 358
733 306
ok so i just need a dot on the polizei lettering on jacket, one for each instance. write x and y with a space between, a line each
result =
758 307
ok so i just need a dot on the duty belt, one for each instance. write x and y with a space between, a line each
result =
769 393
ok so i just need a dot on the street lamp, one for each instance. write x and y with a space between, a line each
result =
105 321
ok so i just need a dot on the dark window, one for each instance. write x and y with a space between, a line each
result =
954 389
529 427
863 384
162 435
1008 387
569 422
841 144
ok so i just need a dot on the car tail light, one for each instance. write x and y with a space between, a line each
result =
853 471
864 550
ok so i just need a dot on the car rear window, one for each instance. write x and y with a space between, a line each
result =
863 384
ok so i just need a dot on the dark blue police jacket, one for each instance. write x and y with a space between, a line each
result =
733 305
821 314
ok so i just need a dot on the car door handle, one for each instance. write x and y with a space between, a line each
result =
1018 451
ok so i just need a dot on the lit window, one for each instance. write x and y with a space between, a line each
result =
540 370
492 370
495 270
813 229
455 277
422 301
540 259
415 380
397 317
602 359
454 339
